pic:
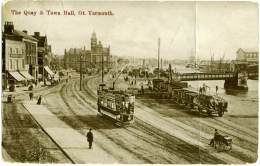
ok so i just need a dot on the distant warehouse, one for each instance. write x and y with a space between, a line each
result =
248 55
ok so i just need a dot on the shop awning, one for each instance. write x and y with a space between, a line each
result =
48 70
26 75
17 76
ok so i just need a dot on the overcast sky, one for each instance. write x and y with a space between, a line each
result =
211 27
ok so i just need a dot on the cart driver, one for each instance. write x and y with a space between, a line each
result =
216 134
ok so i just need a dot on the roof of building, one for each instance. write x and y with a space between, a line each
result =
94 35
41 40
24 35
106 49
248 49
13 37
75 51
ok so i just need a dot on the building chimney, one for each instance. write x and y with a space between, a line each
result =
25 31
37 34
8 27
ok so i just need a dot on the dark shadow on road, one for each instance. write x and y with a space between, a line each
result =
91 121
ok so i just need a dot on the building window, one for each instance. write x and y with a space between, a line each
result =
14 65
11 65
23 65
17 63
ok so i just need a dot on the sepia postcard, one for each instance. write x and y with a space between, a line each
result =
129 82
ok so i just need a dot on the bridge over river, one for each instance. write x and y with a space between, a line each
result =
235 80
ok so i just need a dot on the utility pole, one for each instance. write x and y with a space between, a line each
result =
158 58
161 63
102 68
170 72
80 63
80 72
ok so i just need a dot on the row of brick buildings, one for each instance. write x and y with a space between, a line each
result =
90 58
25 57
247 55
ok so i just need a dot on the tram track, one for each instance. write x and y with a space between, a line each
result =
159 130
230 127
239 135
203 137
78 109
245 153
139 145
140 140
139 122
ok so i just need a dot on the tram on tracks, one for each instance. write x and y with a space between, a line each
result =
116 104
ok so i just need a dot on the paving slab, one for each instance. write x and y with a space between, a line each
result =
73 143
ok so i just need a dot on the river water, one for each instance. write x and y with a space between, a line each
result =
241 103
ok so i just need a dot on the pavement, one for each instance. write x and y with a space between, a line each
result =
73 143
21 90
24 89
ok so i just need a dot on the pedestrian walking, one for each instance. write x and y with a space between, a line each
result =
39 100
30 87
216 90
200 91
31 95
90 138
142 89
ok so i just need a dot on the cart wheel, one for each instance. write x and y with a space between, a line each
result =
230 147
220 113
200 110
215 144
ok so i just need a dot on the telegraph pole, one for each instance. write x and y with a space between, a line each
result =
80 75
158 58
170 72
102 68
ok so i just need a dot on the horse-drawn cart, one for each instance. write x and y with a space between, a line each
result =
222 143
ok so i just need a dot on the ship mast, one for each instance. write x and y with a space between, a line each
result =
158 58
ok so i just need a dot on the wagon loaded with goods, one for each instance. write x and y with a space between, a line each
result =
178 91
211 104
160 89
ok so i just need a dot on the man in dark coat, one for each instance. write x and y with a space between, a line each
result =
216 134
90 138
39 100
31 95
